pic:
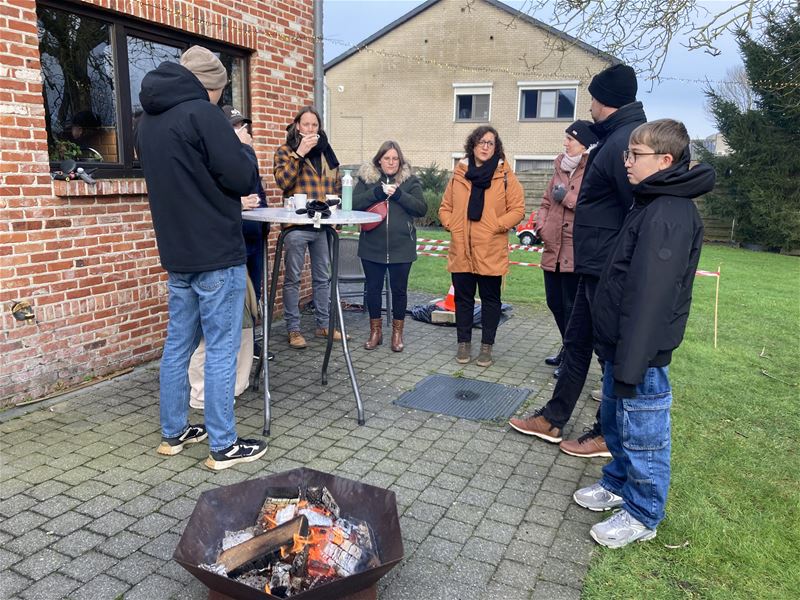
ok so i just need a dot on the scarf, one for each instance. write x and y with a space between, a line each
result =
323 148
570 163
481 179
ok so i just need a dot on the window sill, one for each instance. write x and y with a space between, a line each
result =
547 120
104 187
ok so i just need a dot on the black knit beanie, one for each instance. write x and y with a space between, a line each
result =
615 87
581 132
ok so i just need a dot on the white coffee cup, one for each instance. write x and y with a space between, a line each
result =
299 201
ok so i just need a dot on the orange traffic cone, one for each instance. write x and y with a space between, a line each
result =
449 302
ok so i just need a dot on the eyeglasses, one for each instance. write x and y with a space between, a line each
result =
630 155
390 158
486 143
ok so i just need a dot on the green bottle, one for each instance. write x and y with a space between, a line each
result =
347 191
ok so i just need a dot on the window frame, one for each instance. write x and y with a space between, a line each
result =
546 86
122 26
472 89
533 157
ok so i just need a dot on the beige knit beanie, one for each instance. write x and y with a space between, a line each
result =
206 67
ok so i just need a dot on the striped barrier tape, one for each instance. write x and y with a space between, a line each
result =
426 252
430 247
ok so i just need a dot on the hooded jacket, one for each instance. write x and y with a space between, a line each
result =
642 301
196 170
606 196
395 239
481 247
555 219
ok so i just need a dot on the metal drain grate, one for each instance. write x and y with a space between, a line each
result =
465 398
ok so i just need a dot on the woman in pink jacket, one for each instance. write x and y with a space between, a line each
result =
554 226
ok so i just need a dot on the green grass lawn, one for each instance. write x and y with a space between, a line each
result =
734 506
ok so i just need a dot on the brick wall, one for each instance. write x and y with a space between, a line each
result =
402 87
86 257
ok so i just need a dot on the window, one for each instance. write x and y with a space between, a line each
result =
541 101
533 163
93 64
472 102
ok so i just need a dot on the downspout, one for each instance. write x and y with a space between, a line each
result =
319 73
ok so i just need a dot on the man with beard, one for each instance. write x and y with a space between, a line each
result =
605 198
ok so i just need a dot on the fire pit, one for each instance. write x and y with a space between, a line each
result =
237 507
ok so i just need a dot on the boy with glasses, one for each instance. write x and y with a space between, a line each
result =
641 307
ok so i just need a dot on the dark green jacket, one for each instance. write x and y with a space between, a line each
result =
395 239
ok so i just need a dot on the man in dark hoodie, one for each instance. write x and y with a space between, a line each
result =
641 306
197 170
604 200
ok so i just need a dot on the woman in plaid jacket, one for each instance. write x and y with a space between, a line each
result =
306 164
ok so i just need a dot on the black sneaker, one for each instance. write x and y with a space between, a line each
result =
192 435
240 451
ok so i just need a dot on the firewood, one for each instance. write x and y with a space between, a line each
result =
265 543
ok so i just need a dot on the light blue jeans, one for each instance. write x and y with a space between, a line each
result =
637 432
207 304
294 245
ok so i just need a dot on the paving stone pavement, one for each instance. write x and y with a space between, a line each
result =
89 510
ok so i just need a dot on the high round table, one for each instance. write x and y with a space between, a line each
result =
282 216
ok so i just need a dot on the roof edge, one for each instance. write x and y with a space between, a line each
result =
379 34
495 3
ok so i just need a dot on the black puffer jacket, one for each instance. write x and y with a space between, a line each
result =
642 301
196 170
395 239
605 197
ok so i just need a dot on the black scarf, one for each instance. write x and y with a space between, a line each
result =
323 148
481 179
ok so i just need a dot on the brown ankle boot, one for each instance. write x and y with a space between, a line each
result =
375 334
397 335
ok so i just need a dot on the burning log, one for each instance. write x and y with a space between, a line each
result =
252 550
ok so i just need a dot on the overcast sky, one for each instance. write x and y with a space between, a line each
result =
678 96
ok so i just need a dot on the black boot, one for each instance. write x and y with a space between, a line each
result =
554 361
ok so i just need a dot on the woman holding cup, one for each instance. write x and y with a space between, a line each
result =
392 244
306 165
482 201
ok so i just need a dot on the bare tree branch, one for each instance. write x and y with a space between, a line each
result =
641 32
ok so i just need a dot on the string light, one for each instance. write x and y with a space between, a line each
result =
249 30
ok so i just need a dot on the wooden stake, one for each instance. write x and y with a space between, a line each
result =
716 305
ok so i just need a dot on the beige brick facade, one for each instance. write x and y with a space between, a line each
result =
402 85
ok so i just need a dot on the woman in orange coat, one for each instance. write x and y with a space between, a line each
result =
554 225
483 200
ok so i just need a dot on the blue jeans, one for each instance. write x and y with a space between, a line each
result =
207 304
294 245
637 432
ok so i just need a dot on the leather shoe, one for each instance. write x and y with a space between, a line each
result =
555 360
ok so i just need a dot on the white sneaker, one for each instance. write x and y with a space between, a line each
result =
619 530
597 498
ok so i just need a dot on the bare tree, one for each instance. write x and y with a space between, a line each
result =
736 88
640 32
